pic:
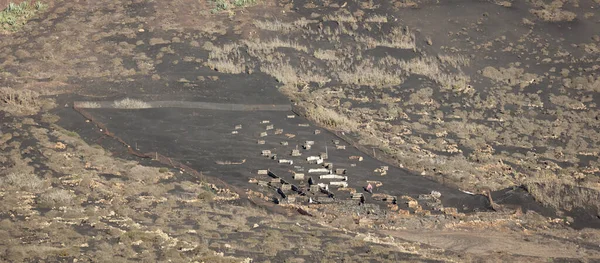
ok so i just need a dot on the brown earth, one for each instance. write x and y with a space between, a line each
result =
449 91
4 3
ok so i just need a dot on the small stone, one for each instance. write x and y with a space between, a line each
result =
60 146
413 204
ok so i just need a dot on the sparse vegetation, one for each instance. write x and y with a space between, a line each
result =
226 66
394 79
22 101
89 105
368 74
553 12
16 15
330 118
128 103
376 19
22 181
402 38
71 134
55 198
282 72
274 25
258 47
561 195
221 5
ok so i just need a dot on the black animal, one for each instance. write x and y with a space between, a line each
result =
280 192
362 200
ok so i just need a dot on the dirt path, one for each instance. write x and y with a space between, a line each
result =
485 242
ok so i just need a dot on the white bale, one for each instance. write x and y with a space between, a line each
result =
339 184
284 161
312 158
332 176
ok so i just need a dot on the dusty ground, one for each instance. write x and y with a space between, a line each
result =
476 95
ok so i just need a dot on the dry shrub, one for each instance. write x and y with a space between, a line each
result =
226 66
226 59
422 66
454 60
256 46
19 102
275 25
430 68
128 103
89 105
370 75
23 182
511 76
340 18
215 50
405 4
554 15
282 72
145 174
376 19
330 118
402 38
560 195
552 12
567 102
206 196
55 198
324 54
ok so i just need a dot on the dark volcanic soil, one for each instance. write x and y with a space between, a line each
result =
479 96
199 138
